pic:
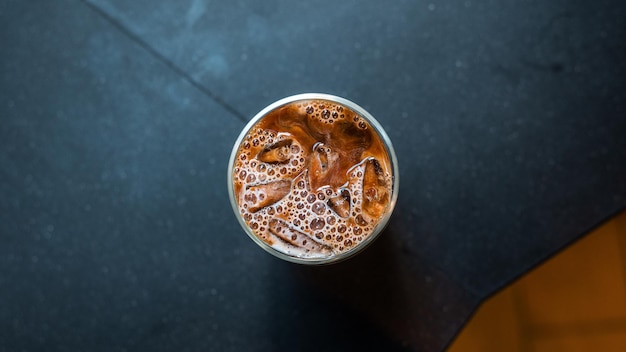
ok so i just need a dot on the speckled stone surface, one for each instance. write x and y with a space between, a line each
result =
117 119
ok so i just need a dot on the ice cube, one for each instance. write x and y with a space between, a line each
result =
260 196
375 189
297 238
324 161
277 153
341 203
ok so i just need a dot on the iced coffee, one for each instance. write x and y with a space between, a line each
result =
313 178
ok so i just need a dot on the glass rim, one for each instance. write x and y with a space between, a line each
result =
382 223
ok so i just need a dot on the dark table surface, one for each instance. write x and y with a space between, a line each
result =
117 119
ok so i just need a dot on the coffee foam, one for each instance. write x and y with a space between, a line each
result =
275 176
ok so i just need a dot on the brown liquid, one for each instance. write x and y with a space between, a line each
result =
312 179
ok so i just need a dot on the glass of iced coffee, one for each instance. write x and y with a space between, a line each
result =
313 178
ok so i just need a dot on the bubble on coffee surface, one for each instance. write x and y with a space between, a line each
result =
312 179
